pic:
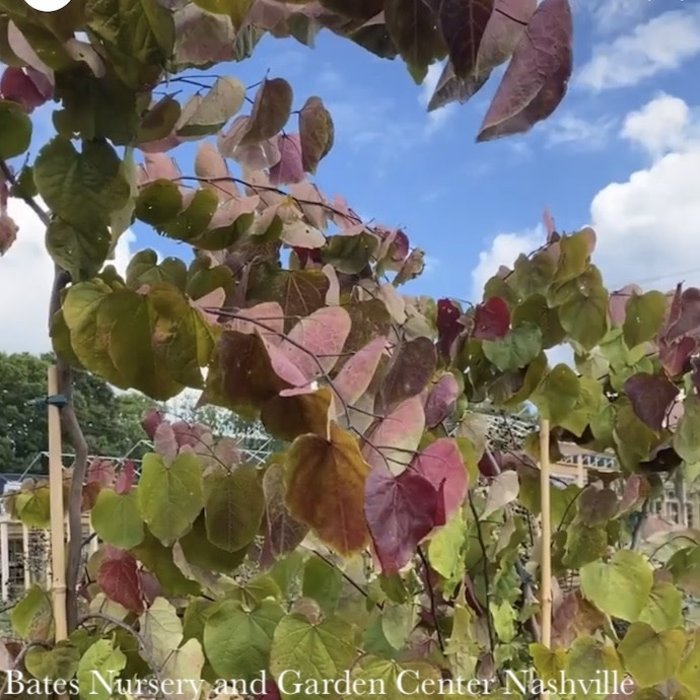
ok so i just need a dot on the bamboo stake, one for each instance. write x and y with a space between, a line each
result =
546 566
58 546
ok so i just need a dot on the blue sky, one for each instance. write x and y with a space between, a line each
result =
620 152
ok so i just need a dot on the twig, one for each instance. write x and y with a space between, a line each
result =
487 583
348 578
29 201
431 595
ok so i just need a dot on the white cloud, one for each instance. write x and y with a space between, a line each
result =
648 226
662 125
662 44
504 249
609 15
578 132
26 275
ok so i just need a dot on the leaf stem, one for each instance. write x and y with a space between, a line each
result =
431 595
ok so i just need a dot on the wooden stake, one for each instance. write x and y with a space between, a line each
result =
546 564
58 545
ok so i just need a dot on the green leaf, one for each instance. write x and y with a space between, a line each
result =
686 440
317 652
549 662
170 497
518 348
323 583
199 551
664 609
61 662
81 188
652 657
158 202
32 616
350 254
144 268
585 317
413 29
15 130
689 673
587 658
33 507
627 571
193 221
397 680
584 544
159 561
234 508
535 310
80 254
573 259
104 659
237 10
137 35
643 317
445 549
398 621
558 393
116 518
238 641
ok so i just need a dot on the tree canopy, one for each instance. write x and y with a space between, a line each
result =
111 422
389 538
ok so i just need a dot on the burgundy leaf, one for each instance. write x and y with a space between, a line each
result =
394 248
8 232
16 85
651 396
119 579
674 356
284 533
684 316
289 168
442 465
448 323
441 400
463 23
536 79
400 512
491 319
503 32
151 419
412 368
270 691
125 479
101 471
488 466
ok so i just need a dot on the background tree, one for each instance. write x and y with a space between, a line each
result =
111 421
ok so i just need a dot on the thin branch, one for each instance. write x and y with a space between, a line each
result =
29 201
348 578
431 595
510 17
487 583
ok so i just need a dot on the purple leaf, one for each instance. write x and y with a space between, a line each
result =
152 418
651 396
463 23
441 400
536 79
125 479
449 325
617 305
18 86
412 368
442 465
491 319
119 579
400 512
289 169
